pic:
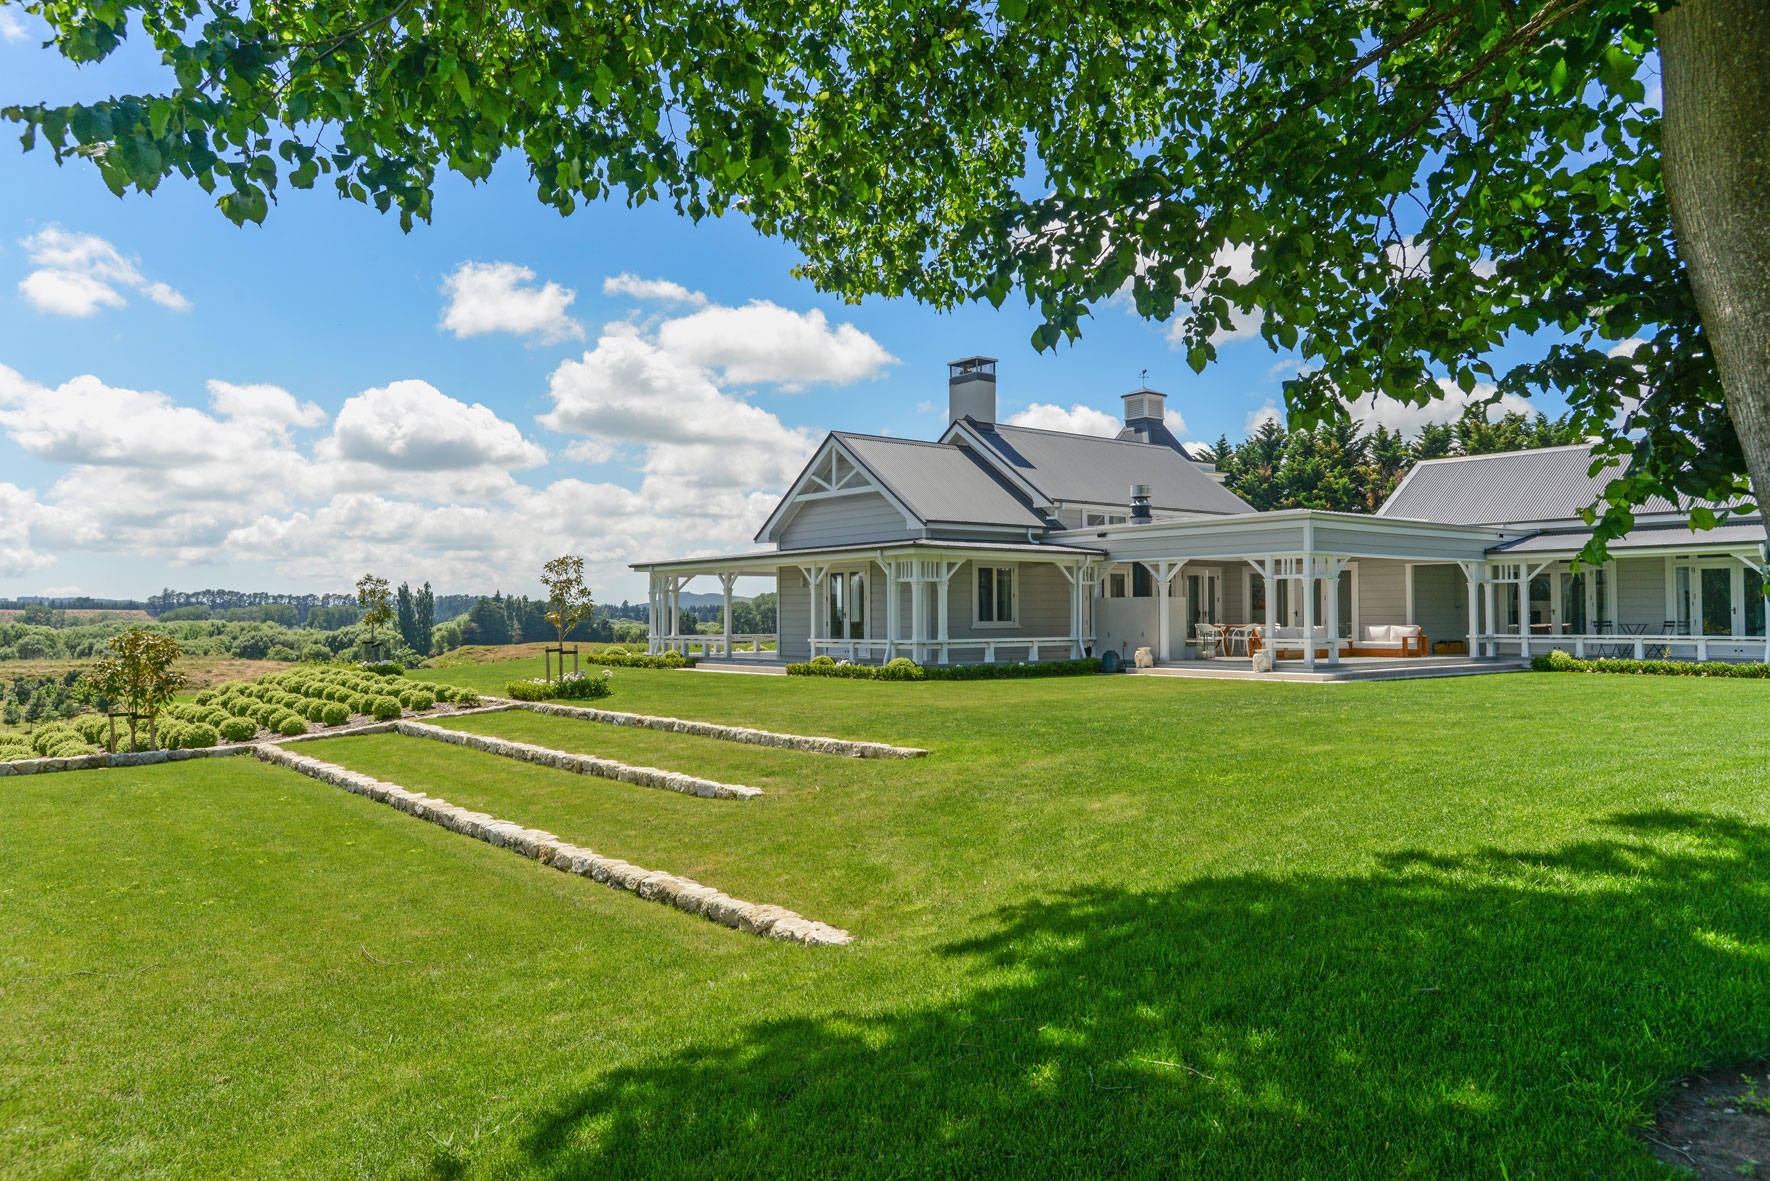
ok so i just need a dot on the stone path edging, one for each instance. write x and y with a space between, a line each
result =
811 745
580 764
139 758
143 758
772 922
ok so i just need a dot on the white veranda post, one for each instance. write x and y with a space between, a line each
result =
1164 574
725 581
1473 572
1330 570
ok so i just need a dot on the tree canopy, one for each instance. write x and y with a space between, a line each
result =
1397 191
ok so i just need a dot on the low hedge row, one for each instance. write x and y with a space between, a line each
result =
572 687
639 660
1558 661
904 669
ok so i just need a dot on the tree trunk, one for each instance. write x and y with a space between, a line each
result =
1715 62
153 737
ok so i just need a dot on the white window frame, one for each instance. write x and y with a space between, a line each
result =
1013 569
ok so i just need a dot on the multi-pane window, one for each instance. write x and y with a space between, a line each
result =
995 594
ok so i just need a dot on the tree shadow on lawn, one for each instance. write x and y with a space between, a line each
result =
1495 1014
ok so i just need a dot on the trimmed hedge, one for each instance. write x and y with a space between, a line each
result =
632 660
568 688
1557 661
903 669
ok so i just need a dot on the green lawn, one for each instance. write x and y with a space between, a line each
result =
1420 929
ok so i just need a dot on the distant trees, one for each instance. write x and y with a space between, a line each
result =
1340 468
330 619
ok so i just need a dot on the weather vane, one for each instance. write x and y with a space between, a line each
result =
1146 379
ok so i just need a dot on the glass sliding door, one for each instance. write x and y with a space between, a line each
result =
1754 603
1717 601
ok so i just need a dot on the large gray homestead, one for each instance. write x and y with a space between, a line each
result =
1004 543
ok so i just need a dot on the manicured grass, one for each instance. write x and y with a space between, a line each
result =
1418 929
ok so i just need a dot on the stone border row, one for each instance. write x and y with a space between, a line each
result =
143 758
811 745
581 764
773 922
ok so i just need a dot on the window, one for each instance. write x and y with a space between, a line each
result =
1754 602
995 594
1093 520
1142 581
1117 587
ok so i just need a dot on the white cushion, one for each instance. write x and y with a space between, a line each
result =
1408 630
1374 633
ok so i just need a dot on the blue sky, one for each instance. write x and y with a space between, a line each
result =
192 404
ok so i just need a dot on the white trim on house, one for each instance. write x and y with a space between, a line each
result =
813 485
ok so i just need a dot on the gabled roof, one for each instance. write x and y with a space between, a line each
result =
939 483
1511 487
1088 469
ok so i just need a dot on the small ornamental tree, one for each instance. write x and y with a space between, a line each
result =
568 599
377 603
139 673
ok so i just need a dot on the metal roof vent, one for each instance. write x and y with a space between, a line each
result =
1140 494
971 389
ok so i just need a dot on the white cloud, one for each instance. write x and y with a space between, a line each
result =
19 513
1626 348
763 342
928 407
166 297
11 28
1077 420
631 389
651 290
502 297
77 274
1265 414
1376 410
411 426
590 451
265 403
405 478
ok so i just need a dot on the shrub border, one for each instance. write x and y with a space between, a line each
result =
1012 670
1557 661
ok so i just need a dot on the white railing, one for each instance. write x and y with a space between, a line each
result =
1624 645
714 645
941 651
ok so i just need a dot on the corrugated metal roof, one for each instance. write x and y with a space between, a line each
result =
1548 484
941 483
1093 470
1734 535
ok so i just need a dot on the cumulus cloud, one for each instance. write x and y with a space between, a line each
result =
11 28
651 290
764 342
411 426
264 403
631 389
1265 414
502 297
78 274
1077 420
